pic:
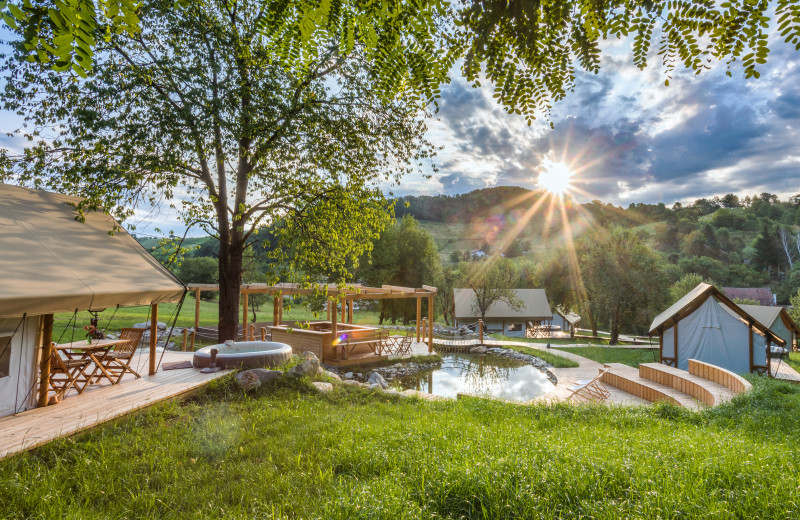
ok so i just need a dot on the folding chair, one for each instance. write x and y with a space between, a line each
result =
118 361
590 389
403 345
67 373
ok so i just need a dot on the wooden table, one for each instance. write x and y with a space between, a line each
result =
97 352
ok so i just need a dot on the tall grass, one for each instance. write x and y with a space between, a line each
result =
629 356
287 452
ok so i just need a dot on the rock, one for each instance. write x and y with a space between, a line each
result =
146 325
331 375
478 350
348 375
265 375
376 378
375 387
391 391
322 387
247 380
351 382
359 375
309 367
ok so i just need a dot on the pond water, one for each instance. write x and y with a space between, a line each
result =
481 375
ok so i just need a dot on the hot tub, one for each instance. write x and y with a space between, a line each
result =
244 354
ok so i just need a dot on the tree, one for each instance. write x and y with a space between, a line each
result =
199 270
492 280
794 310
689 281
447 283
622 277
200 109
766 245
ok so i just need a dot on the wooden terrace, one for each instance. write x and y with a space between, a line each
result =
99 403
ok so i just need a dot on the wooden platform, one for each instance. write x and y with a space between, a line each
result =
364 358
709 392
628 379
781 370
98 404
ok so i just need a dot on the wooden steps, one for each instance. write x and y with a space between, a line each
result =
709 392
628 379
364 358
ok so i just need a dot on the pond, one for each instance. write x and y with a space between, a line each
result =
481 375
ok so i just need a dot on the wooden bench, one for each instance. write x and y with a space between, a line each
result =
376 340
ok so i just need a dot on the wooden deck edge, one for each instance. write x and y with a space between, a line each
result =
183 394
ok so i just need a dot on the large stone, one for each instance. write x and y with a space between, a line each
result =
265 375
247 380
322 387
478 350
348 375
309 367
351 382
376 378
146 325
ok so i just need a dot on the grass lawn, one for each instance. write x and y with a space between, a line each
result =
288 452
628 356
552 341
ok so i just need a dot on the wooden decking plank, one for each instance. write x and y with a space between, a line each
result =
627 378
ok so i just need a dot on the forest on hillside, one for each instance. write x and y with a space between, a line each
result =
618 267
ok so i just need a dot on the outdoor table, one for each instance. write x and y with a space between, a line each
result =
96 351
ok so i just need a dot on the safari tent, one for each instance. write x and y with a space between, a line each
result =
778 320
705 325
52 263
500 317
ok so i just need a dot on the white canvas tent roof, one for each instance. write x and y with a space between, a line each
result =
52 263
571 317
534 306
777 319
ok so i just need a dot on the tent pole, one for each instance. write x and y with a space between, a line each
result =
750 329
46 339
660 346
676 344
153 337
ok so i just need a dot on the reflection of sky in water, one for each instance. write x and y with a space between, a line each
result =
483 375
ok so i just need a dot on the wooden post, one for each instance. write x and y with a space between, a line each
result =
328 308
46 339
153 337
244 315
263 334
750 329
480 331
280 308
675 342
334 331
430 324
275 310
660 346
196 310
344 311
350 311
419 315
194 335
183 341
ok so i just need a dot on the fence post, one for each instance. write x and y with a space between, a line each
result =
480 330
185 336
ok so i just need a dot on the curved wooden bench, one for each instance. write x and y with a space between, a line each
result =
628 379
696 386
736 383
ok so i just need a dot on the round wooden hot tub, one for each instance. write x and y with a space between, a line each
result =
244 354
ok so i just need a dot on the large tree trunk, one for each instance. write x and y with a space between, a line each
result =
614 328
230 285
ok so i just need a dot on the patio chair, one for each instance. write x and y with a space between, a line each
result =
590 389
118 361
67 373
403 345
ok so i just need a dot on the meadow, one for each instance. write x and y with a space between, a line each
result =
289 452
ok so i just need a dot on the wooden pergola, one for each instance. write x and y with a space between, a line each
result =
346 294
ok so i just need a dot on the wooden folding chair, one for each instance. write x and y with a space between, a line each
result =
67 373
403 345
118 361
591 390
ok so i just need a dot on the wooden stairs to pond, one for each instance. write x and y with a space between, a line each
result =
703 385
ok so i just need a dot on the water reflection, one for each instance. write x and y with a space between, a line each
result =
481 375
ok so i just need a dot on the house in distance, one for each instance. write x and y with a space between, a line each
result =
500 317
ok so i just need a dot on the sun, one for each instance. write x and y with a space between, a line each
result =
555 177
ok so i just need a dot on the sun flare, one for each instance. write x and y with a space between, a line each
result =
555 177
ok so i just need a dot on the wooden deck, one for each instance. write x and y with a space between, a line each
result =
98 404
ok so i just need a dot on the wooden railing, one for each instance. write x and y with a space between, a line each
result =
726 378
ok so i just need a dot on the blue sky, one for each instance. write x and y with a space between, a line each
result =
629 137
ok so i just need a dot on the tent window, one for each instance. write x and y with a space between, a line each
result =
514 327
5 353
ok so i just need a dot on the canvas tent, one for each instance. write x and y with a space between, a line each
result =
705 325
566 320
500 317
778 320
52 263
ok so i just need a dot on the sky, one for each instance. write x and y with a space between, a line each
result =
627 136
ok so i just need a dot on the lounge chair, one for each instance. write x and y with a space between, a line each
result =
590 389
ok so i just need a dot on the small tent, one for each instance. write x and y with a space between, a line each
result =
778 320
705 325
500 317
566 320
52 263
